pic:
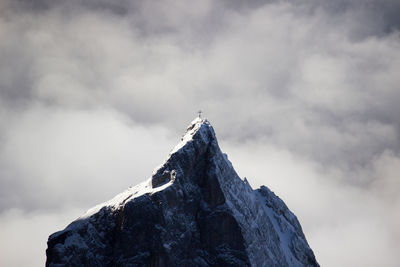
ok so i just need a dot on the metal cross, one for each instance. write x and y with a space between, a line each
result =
199 113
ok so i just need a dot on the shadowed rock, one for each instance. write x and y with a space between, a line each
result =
194 211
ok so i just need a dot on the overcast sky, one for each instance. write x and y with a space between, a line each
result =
304 97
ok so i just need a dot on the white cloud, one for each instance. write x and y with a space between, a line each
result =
54 158
24 235
346 225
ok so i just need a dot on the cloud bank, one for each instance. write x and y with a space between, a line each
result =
303 95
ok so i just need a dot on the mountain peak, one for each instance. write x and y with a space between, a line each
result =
197 140
197 125
194 211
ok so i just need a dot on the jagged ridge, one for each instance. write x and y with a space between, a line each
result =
194 211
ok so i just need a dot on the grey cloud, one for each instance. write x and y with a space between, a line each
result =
312 84
275 52
375 17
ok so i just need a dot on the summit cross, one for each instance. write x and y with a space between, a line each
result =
200 112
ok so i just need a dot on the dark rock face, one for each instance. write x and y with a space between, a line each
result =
195 211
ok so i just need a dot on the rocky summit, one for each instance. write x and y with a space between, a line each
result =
194 211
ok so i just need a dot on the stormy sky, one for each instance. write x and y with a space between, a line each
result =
303 95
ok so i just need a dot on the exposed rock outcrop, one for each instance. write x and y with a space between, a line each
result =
194 211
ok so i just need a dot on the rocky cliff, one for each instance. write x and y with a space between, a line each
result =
194 211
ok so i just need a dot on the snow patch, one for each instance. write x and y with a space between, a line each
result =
131 193
188 136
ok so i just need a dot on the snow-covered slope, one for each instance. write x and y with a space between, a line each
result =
194 211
